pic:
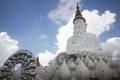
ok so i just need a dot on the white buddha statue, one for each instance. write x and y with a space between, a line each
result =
81 40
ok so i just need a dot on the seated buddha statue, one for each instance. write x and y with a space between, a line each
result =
81 40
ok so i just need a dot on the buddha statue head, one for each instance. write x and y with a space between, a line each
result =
79 26
79 22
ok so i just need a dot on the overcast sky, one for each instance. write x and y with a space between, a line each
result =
43 26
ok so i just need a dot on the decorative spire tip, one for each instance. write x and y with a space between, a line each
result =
78 14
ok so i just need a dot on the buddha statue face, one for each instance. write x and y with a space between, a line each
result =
79 26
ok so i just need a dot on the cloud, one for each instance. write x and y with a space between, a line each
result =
97 23
7 47
64 11
110 47
43 36
46 57
64 32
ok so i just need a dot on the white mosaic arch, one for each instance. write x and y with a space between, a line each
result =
27 61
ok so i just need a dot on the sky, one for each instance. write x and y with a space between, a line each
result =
43 26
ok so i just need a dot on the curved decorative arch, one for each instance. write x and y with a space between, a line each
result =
27 61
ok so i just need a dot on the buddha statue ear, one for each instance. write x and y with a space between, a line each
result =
85 26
